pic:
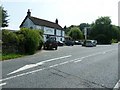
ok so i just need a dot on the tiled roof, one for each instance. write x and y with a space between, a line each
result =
41 22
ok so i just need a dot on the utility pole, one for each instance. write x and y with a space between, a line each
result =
85 33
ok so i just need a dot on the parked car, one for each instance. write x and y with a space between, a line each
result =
51 43
69 42
60 43
89 43
77 42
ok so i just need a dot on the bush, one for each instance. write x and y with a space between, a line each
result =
31 40
114 41
10 42
102 39
75 33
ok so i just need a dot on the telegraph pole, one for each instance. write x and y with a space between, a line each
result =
85 33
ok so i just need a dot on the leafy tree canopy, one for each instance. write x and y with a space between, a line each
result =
75 33
3 17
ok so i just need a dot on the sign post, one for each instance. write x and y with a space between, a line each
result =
85 33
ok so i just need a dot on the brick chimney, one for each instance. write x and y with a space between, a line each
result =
56 21
28 13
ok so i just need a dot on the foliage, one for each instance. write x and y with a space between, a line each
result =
75 33
114 41
67 29
10 56
31 40
115 33
3 17
10 41
102 30
9 37
83 25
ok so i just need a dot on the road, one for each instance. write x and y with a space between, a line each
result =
68 67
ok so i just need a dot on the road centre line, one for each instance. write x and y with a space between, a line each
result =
37 64
117 86
80 59
31 72
2 84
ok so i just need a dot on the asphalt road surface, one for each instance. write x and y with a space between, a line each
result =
68 67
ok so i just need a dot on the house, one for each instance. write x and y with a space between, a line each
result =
49 28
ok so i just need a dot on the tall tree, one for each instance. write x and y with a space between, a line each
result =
75 33
102 30
83 25
3 17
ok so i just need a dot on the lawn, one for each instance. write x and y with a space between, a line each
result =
9 56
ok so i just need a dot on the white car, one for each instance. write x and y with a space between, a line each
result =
89 43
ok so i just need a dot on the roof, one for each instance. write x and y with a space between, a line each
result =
41 22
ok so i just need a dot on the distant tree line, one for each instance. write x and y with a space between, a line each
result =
101 30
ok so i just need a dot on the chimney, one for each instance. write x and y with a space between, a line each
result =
28 13
56 21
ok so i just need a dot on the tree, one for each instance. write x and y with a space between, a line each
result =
83 25
115 33
3 17
75 33
67 29
102 29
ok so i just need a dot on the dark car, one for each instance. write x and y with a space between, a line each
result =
51 43
69 42
60 43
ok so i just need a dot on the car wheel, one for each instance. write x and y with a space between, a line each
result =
56 48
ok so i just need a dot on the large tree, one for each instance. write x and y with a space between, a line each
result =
102 30
75 33
3 17
83 25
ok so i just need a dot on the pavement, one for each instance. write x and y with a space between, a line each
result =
68 67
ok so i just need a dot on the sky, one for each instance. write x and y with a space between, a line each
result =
68 12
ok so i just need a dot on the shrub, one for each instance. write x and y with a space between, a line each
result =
114 41
31 40
10 42
75 33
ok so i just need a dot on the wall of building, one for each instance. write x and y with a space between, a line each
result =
47 30
28 23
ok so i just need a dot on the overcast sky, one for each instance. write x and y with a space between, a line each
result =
68 12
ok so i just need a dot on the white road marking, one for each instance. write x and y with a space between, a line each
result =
37 64
23 74
24 68
117 86
2 84
80 59
77 61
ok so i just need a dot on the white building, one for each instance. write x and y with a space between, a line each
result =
49 28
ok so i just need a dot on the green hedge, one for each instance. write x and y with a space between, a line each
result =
30 40
24 41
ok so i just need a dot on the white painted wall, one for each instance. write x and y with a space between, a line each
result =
58 32
48 30
63 33
38 27
28 23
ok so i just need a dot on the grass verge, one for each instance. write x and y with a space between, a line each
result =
10 56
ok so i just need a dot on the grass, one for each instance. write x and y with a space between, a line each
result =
9 56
